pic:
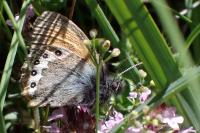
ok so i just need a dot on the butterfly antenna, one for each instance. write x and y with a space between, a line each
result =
128 69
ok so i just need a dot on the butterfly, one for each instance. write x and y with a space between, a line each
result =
58 70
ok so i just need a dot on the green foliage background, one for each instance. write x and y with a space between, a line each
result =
168 47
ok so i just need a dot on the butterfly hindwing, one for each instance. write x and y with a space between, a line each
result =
59 78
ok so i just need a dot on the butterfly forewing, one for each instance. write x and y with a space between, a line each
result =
59 70
54 29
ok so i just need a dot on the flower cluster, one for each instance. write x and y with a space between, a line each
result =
79 119
112 122
162 119
70 119
142 93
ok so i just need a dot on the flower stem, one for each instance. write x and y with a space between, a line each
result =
2 123
36 119
98 69
9 63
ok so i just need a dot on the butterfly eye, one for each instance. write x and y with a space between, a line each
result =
33 84
36 62
45 55
33 72
58 52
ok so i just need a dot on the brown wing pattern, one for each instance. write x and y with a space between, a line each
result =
54 29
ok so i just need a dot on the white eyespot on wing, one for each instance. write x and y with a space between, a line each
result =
46 57
31 91
51 56
36 77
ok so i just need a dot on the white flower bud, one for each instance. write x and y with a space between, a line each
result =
155 122
134 113
152 83
87 42
115 52
106 45
93 33
146 109
142 73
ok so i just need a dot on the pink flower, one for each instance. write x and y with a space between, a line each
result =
134 130
169 116
145 94
58 114
173 122
9 23
113 121
53 128
188 130
30 11
133 95
84 109
68 119
118 116
169 112
29 14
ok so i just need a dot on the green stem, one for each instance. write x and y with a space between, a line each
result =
46 114
37 119
103 21
98 75
8 33
2 123
8 67
18 31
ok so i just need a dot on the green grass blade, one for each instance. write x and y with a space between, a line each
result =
182 82
191 94
8 66
195 47
18 31
191 114
9 34
103 22
112 36
193 35
146 39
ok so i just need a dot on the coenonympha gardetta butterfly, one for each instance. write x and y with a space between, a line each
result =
58 70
